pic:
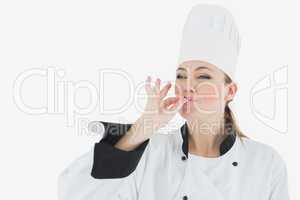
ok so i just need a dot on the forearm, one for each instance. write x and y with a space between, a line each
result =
139 132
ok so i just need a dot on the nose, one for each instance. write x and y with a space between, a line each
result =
189 90
189 87
186 87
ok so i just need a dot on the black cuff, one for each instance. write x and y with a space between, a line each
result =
111 162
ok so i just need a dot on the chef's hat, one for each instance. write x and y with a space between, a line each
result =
210 34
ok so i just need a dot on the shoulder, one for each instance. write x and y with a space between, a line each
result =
264 162
253 145
260 151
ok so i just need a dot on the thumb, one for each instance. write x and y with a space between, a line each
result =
179 103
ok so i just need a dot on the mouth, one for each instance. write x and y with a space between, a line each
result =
189 98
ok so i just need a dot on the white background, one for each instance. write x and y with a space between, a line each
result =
79 38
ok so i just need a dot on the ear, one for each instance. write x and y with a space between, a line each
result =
231 90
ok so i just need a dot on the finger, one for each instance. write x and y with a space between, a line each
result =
169 101
148 84
177 105
164 91
166 104
157 86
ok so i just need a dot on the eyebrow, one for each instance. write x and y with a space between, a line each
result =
198 68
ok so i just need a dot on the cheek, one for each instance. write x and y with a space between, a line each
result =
178 89
209 94
209 101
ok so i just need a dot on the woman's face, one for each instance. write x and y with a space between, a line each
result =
204 85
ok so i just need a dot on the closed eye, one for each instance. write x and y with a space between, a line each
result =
200 77
204 76
179 76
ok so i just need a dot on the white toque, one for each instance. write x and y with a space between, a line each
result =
210 34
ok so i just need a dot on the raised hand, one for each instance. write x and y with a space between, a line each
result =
160 111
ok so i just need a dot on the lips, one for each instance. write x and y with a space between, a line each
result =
188 98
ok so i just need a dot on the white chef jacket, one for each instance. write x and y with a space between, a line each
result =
162 169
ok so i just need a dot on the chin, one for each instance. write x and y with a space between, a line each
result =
187 117
187 113
191 112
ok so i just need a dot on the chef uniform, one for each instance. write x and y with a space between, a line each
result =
162 168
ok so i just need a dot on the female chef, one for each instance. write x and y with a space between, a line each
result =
208 157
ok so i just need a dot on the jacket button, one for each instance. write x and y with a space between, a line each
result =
235 164
183 158
185 197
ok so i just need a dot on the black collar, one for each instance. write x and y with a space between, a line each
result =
224 147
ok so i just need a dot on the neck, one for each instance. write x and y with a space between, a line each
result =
206 137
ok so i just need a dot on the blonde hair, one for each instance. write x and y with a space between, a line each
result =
230 120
